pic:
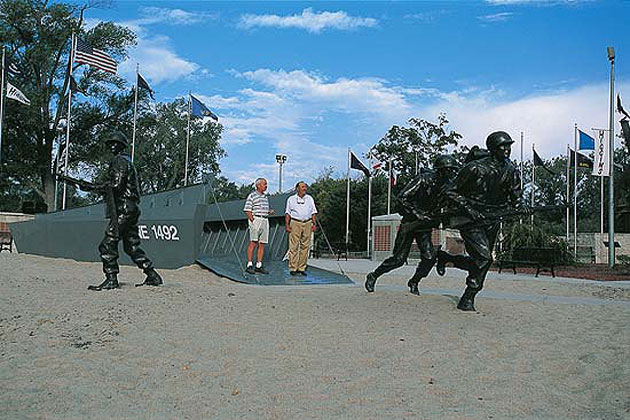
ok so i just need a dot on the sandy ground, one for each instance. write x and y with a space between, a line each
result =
206 347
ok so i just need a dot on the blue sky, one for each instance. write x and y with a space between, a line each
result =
310 79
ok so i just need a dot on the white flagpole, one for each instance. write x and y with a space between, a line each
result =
611 170
67 148
568 191
575 192
521 170
601 205
348 202
389 188
531 220
187 140
135 114
369 208
2 100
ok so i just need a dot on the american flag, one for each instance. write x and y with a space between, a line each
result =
13 69
85 54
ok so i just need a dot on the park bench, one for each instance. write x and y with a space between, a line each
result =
544 259
6 240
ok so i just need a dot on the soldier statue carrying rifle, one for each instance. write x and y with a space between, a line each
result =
121 191
486 189
421 206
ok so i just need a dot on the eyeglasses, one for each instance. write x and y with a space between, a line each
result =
301 200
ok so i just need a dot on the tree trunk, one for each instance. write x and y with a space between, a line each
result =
49 190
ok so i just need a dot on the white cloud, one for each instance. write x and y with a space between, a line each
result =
152 15
496 17
349 95
546 120
308 20
158 61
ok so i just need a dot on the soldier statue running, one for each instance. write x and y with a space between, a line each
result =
484 187
421 213
121 191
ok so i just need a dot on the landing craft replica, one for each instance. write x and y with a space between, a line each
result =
177 228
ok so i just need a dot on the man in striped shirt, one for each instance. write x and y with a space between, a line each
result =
257 210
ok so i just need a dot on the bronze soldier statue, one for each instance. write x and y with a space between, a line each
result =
421 213
486 186
121 190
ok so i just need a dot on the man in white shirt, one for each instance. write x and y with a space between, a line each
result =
299 221
257 210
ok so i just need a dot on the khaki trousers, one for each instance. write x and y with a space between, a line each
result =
299 241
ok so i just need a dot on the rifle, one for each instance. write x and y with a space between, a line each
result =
501 214
108 197
83 185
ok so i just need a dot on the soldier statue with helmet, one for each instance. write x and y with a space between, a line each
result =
487 185
420 207
121 190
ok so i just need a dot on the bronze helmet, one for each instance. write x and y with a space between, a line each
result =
498 138
117 137
445 161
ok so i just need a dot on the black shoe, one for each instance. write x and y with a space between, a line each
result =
261 270
466 304
293 273
250 270
440 266
302 273
153 278
111 282
370 281
413 288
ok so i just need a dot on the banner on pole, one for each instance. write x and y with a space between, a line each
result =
15 94
601 165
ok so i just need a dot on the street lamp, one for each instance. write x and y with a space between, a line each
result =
611 195
281 160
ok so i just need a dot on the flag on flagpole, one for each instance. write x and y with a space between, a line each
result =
74 87
624 121
15 94
539 162
12 68
355 163
586 142
601 166
199 109
60 161
582 161
142 83
376 166
94 57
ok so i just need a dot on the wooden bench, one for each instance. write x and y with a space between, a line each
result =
6 240
544 259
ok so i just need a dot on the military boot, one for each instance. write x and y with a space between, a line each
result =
370 282
111 282
413 287
467 301
153 278
440 265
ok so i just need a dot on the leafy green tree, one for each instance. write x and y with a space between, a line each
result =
422 140
329 193
37 36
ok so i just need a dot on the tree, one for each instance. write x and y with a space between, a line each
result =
329 194
422 140
37 35
161 147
